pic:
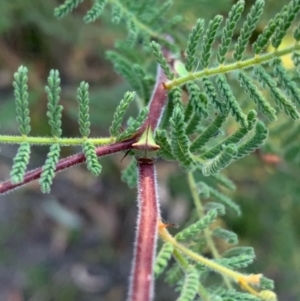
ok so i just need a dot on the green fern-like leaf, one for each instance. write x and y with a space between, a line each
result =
268 82
192 44
135 125
247 29
129 174
285 22
232 294
210 132
261 133
266 283
208 40
165 150
226 235
95 12
48 171
54 110
116 14
264 38
197 227
91 158
120 112
262 104
211 93
197 100
217 206
176 96
235 138
286 81
237 262
83 115
231 102
174 274
161 60
233 17
21 99
224 181
162 258
190 285
196 109
221 161
20 163
218 196
144 88
179 139
132 31
66 8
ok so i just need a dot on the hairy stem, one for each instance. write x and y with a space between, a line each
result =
159 96
221 69
141 280
67 162
51 140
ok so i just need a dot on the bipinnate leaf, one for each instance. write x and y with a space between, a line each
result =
286 81
209 132
66 8
130 175
231 102
259 137
237 262
192 44
226 235
20 163
91 158
54 109
253 92
287 16
247 29
198 226
95 12
21 99
210 91
179 139
135 125
48 170
208 40
83 114
221 197
224 181
165 150
235 138
233 17
283 102
218 163
163 258
161 60
119 114
190 285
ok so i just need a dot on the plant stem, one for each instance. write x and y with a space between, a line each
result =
141 280
207 232
51 140
67 162
221 69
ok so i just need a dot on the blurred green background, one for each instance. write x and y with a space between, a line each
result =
76 243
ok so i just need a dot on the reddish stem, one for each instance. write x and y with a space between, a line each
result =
158 100
156 108
68 162
141 279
